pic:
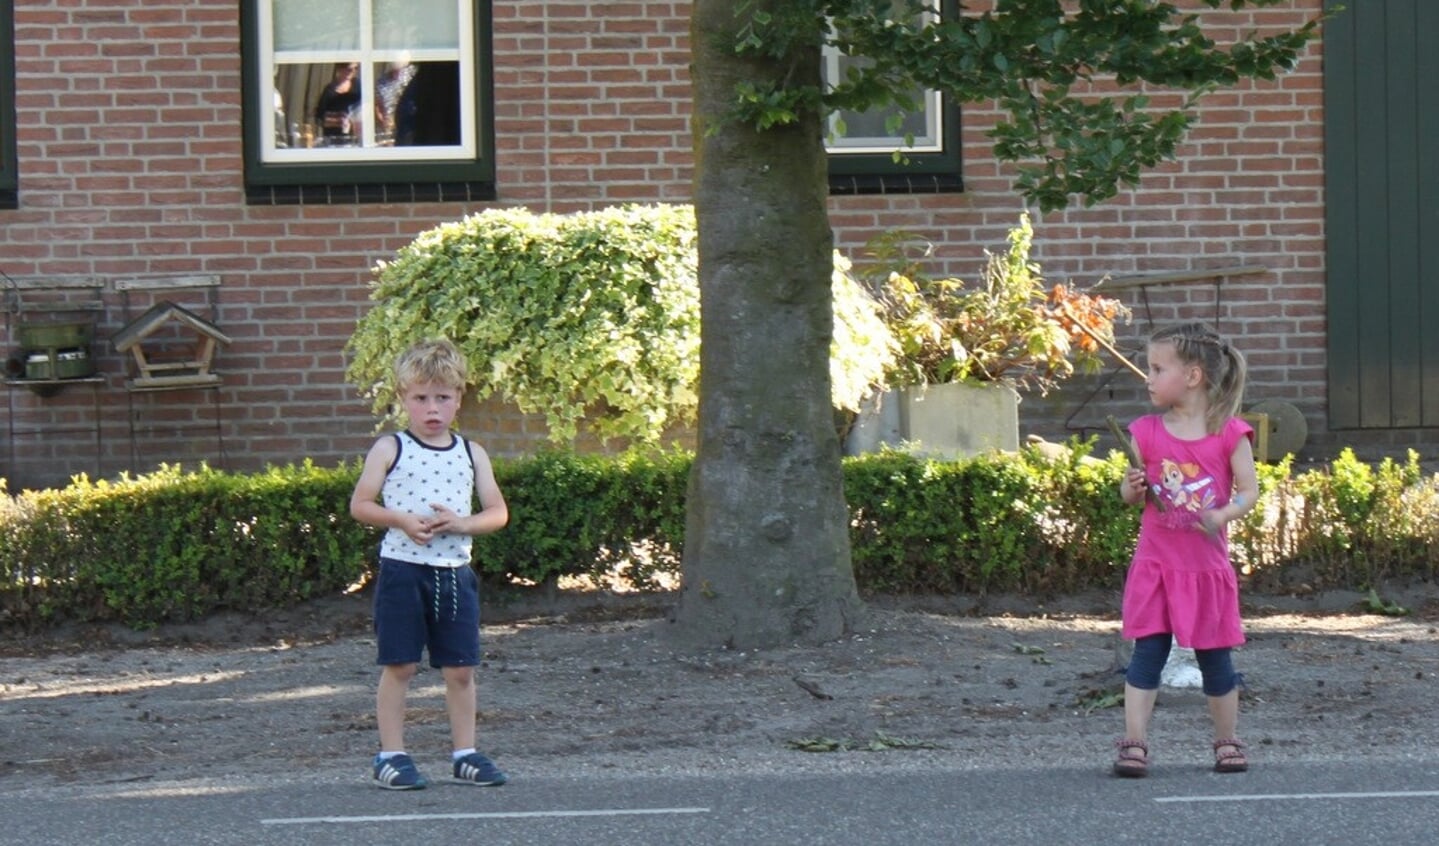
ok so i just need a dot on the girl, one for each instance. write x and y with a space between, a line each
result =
1197 475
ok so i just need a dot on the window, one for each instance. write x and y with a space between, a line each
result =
9 179
862 156
367 101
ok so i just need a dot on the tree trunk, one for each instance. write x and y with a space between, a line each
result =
766 558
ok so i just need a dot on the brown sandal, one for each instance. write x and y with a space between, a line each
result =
1131 764
1232 761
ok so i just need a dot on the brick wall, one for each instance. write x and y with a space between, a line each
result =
129 126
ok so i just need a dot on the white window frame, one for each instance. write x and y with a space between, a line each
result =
930 141
464 54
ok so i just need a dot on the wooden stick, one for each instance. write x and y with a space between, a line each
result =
1134 368
1134 459
1124 442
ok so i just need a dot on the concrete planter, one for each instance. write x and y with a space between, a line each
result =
949 421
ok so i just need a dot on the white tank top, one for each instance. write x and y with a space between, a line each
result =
422 475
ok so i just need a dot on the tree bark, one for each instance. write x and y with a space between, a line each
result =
766 557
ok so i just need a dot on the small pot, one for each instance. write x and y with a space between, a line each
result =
65 364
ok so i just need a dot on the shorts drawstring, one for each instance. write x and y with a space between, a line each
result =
454 593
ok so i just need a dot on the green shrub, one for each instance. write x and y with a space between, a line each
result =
588 515
1008 327
903 516
999 522
177 545
590 319
1347 525
1401 529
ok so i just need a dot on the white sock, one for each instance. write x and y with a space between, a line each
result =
385 756
460 753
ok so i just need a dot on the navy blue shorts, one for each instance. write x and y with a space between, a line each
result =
419 607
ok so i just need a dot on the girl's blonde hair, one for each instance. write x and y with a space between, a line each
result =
439 362
1222 365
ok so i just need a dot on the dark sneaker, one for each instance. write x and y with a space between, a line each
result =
398 773
475 768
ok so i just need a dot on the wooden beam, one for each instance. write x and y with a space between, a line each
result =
165 283
1118 282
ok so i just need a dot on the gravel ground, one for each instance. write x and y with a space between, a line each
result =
588 681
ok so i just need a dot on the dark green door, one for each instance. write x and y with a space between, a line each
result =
1381 138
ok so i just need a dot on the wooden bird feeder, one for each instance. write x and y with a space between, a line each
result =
160 368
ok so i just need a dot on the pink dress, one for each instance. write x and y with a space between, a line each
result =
1181 581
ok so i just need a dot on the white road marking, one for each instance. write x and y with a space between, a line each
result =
495 815
1282 797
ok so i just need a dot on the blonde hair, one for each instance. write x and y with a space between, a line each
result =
1223 367
439 362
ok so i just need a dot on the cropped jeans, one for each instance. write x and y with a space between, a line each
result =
1151 653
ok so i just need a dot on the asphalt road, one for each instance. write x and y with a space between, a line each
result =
864 800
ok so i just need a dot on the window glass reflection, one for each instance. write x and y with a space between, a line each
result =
330 105
416 24
316 25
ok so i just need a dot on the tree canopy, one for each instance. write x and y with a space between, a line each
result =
1065 74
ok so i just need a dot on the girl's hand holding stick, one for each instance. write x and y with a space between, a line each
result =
1134 459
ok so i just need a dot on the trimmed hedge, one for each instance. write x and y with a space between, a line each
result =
177 545
589 515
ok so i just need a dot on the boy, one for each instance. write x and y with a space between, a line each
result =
420 484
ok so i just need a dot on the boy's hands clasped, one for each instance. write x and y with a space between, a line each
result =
444 519
417 528
422 529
